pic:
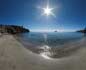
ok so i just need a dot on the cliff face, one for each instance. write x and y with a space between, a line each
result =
12 29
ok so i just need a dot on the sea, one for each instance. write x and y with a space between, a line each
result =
52 44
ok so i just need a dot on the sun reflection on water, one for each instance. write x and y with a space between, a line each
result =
45 54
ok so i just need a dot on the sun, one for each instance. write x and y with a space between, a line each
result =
47 11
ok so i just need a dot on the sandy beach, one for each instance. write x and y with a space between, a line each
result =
14 56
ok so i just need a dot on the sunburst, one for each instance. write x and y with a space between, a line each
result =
48 11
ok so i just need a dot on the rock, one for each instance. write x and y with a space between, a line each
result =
12 29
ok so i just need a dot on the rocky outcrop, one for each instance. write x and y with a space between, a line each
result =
12 29
82 31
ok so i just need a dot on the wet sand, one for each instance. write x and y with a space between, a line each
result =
14 56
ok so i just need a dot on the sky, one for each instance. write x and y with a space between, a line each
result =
70 15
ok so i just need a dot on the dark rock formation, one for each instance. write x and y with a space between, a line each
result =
82 31
12 29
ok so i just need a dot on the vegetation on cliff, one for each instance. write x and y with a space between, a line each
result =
12 29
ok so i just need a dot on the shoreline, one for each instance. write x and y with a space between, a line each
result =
64 50
14 56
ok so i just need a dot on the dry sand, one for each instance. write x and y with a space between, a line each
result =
13 56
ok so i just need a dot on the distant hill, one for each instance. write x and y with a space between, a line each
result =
12 29
83 31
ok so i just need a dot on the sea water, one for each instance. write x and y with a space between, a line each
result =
53 39
49 42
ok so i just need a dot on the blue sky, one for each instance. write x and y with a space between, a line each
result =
71 14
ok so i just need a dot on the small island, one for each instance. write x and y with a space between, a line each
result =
56 31
82 31
12 29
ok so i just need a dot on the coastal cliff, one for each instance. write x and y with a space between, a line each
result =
12 29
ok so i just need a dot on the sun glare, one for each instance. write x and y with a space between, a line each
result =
45 56
48 11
